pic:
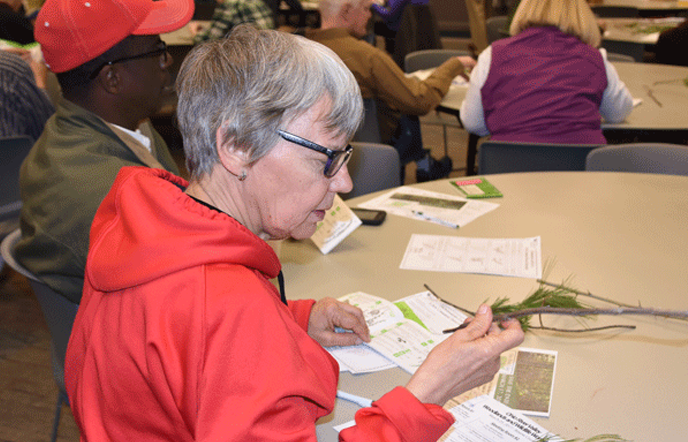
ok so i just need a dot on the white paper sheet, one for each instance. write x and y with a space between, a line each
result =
409 201
484 419
402 332
338 223
521 257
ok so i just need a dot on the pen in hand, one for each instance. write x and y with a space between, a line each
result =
460 327
434 219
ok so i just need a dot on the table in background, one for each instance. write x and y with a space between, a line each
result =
634 36
660 117
639 8
621 236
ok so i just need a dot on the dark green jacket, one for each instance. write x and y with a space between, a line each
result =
63 180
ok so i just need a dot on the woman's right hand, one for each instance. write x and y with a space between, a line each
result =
465 360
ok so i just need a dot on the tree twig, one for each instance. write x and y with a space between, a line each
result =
591 311
599 298
582 330
581 293
466 311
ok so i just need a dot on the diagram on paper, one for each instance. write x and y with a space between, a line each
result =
492 256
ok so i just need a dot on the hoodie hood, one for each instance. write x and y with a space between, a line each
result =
147 228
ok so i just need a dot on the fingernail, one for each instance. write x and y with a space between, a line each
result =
483 309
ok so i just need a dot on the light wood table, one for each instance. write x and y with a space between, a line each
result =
622 236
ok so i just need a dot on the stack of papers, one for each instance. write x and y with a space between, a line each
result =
404 332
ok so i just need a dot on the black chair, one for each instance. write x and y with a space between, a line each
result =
14 150
663 158
59 314
612 56
373 167
369 131
506 157
417 31
428 59
496 28
616 11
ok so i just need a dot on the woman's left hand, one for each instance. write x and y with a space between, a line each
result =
329 313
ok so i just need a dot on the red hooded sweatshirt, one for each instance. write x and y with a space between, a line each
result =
181 336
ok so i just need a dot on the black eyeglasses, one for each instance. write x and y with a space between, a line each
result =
335 158
159 51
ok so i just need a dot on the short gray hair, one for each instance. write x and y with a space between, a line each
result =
253 83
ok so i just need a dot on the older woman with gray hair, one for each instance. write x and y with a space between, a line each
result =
181 335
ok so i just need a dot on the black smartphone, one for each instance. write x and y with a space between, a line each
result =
370 217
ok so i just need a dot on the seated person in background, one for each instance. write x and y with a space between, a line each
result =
672 46
114 76
343 24
14 25
25 104
229 13
549 82
266 118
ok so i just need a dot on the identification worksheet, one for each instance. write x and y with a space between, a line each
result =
402 332
492 256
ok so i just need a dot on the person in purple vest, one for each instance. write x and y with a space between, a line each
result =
549 82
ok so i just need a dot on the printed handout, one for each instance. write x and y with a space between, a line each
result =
338 223
492 256
524 382
402 332
424 205
484 419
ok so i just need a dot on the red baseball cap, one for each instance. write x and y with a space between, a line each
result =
72 32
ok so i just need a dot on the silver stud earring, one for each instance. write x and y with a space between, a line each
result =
242 177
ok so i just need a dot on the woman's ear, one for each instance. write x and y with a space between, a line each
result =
234 160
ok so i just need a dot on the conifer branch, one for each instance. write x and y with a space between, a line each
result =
591 311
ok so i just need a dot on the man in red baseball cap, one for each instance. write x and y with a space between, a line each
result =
112 67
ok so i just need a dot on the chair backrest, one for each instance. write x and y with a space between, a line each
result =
615 11
614 56
58 311
476 21
505 157
496 28
369 131
373 167
14 150
664 158
417 31
430 58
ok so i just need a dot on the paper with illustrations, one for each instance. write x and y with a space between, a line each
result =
403 332
338 223
521 257
524 382
420 204
484 419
